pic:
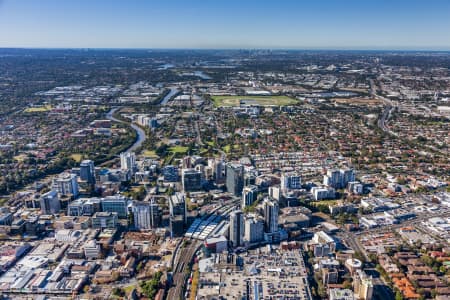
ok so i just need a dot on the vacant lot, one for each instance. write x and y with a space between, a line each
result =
77 157
358 101
255 100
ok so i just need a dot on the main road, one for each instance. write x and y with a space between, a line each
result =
140 138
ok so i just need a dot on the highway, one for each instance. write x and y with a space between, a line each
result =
387 109
385 115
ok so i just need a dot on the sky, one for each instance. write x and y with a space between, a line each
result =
222 24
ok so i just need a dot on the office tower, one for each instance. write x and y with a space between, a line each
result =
235 178
208 173
363 285
274 192
170 173
254 229
249 179
91 249
218 169
146 215
128 161
332 179
291 180
270 216
355 187
347 175
321 237
200 168
321 250
191 179
153 123
104 219
330 276
66 184
339 179
176 226
186 162
117 204
321 193
249 195
84 207
340 294
237 228
177 205
50 203
87 171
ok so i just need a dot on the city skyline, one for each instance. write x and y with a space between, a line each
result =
357 25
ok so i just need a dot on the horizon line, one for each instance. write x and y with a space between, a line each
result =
407 49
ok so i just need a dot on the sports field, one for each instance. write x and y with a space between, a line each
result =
220 101
38 109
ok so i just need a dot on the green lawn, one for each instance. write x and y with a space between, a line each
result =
323 202
20 157
227 148
178 149
220 101
129 288
149 153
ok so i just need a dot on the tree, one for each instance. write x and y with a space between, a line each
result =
373 257
117 291
398 295
150 287
347 284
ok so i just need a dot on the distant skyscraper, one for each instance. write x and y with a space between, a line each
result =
237 228
50 203
128 161
235 178
87 171
270 216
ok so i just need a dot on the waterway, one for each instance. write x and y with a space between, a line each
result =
170 95
140 133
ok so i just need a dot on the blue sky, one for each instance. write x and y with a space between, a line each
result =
318 24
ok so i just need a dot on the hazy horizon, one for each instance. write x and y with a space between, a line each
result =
175 24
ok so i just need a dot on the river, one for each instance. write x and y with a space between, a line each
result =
140 138
173 92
